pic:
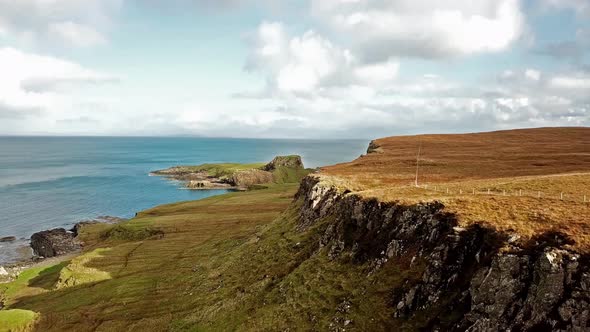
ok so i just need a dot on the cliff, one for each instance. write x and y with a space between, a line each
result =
474 278
356 247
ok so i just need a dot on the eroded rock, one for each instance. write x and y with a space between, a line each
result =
537 287
54 242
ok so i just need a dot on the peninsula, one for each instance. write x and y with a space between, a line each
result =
237 176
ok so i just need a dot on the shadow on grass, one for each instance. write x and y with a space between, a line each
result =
48 277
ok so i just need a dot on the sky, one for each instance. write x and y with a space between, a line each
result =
291 69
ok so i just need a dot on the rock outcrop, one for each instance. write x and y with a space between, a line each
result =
474 279
284 161
8 239
54 242
374 148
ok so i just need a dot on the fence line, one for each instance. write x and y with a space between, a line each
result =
562 196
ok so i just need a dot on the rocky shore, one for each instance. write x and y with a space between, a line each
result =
47 244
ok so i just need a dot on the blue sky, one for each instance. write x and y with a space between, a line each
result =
301 69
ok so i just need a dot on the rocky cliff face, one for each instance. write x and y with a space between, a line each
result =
475 279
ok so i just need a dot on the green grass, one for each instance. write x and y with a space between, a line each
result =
16 320
222 170
77 272
289 175
231 262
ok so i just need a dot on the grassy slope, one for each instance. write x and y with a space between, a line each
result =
550 160
228 262
222 170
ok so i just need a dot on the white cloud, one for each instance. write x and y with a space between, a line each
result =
41 84
76 22
532 74
571 82
306 63
380 29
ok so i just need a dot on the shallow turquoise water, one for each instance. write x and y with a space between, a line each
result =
48 182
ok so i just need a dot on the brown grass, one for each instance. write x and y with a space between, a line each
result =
515 166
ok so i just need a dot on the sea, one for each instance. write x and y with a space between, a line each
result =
50 182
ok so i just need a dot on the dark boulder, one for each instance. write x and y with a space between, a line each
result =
54 242
7 239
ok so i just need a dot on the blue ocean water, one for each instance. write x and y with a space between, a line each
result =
48 182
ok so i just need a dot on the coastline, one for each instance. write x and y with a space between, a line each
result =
26 258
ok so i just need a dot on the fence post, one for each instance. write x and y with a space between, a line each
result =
561 196
474 191
504 192
520 192
584 198
488 191
447 190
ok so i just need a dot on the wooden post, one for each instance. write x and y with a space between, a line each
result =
488 191
418 162
447 190
539 194
561 196
474 191
504 192
520 192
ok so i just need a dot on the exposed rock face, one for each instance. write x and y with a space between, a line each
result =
467 277
284 161
54 242
207 185
374 148
251 177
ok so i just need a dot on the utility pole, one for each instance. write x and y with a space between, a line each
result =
418 162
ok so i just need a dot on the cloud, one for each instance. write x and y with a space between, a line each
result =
11 112
380 29
320 88
303 64
70 22
41 85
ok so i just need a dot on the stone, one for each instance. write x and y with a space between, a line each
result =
54 242
284 161
3 271
7 239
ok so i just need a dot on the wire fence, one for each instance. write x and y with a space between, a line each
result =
562 196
